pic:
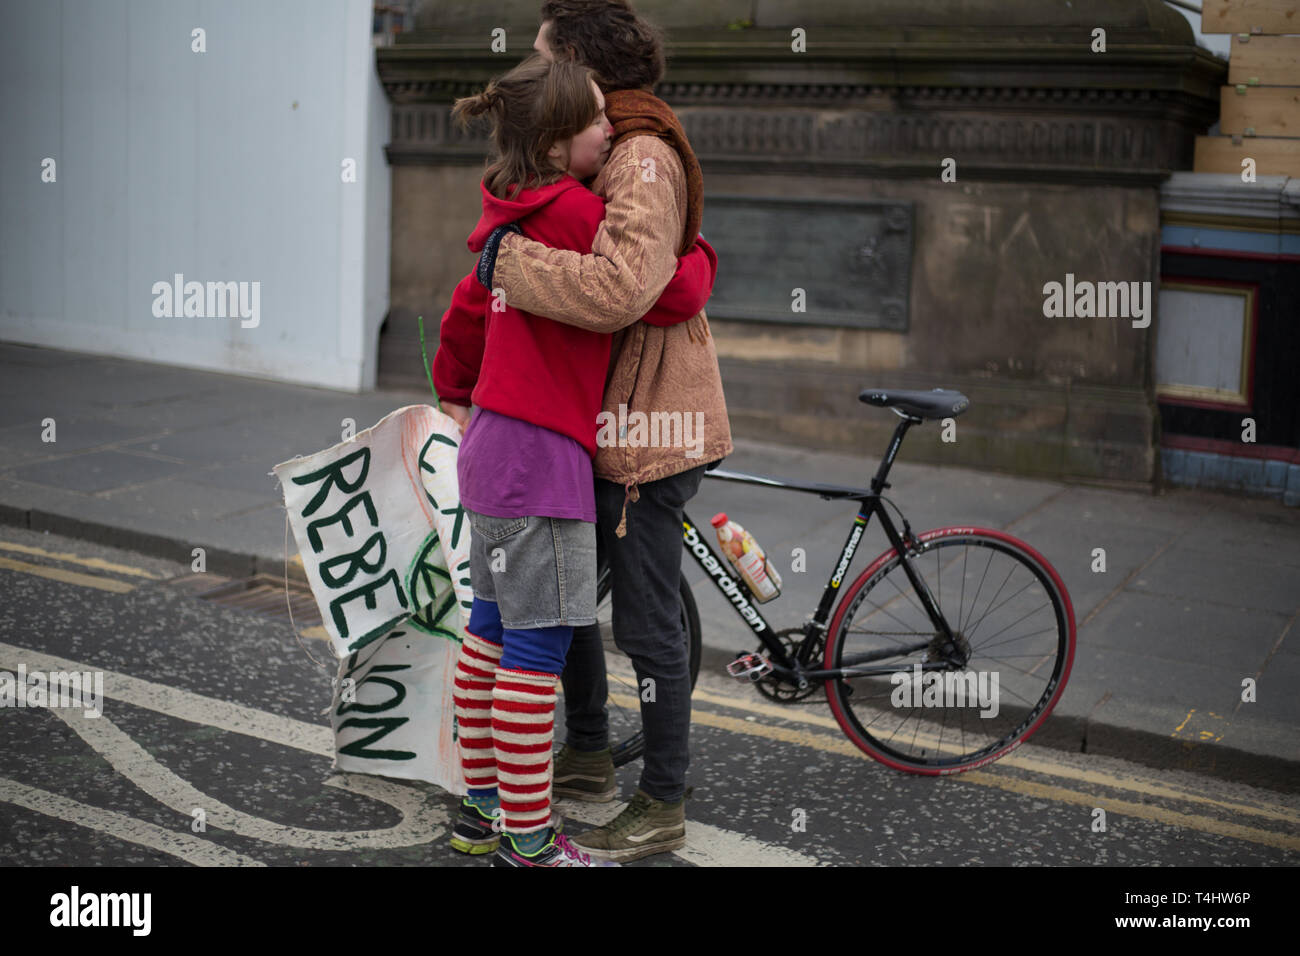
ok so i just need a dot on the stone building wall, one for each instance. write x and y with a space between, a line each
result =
1059 150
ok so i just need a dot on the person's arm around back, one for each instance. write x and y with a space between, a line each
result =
634 254
457 363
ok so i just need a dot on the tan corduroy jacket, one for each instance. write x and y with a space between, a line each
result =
652 370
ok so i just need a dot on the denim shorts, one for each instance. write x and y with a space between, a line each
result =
541 572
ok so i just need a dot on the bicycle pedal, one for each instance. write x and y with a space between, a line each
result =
753 666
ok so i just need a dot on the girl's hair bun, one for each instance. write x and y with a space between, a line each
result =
470 107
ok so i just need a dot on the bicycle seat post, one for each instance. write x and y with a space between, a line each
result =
879 483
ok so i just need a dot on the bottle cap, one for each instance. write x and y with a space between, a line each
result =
719 519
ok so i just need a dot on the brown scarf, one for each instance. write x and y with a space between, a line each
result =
638 113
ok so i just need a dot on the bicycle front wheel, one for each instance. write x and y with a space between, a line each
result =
623 706
920 702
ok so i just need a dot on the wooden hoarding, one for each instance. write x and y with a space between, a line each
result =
1260 111
1273 157
1264 61
1250 16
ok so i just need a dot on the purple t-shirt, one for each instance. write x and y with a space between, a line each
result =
509 468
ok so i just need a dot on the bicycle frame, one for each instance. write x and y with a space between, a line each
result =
733 588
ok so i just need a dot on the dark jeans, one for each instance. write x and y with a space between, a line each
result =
645 566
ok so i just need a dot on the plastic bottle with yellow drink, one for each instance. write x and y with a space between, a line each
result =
748 559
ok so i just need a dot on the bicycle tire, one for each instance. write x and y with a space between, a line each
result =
627 741
851 702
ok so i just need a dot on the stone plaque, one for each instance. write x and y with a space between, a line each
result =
852 258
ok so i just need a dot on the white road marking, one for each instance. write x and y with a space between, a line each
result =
712 846
122 827
707 846
421 822
188 706
422 819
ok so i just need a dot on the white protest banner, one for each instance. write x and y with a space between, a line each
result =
385 547
393 712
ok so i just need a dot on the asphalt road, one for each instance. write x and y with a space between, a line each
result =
220 709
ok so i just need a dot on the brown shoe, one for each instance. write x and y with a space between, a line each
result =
584 776
645 827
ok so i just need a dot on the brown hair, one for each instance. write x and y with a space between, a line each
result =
532 107
625 50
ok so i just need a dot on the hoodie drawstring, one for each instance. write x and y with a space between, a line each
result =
630 492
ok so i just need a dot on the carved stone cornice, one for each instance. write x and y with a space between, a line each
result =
412 71
1028 145
1037 107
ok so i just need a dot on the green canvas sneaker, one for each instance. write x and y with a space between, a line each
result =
645 827
584 776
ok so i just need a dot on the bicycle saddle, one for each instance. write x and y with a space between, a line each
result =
937 403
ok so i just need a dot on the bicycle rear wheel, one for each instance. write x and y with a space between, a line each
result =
924 705
623 705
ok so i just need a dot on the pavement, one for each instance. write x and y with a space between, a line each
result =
1200 592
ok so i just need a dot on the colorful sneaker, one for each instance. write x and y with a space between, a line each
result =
474 833
584 776
645 827
556 851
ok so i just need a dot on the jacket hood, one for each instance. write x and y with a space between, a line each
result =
499 212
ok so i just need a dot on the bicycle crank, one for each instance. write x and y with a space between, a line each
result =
780 688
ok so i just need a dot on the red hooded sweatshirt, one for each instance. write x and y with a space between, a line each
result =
532 368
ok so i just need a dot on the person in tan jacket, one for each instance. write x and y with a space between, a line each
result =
665 376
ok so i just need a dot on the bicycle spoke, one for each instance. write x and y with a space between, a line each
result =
968 629
990 610
943 725
974 602
961 601
881 609
1041 661
938 573
915 732
961 723
1012 640
1014 694
1012 657
1012 624
1027 673
882 713
902 592
900 723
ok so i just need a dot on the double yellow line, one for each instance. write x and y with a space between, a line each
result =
97 581
1039 764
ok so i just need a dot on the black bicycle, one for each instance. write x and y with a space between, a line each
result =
945 653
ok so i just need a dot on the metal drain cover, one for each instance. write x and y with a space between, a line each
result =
262 594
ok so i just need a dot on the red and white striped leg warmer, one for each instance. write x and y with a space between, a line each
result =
476 670
523 725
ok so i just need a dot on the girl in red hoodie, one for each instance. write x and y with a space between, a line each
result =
524 465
